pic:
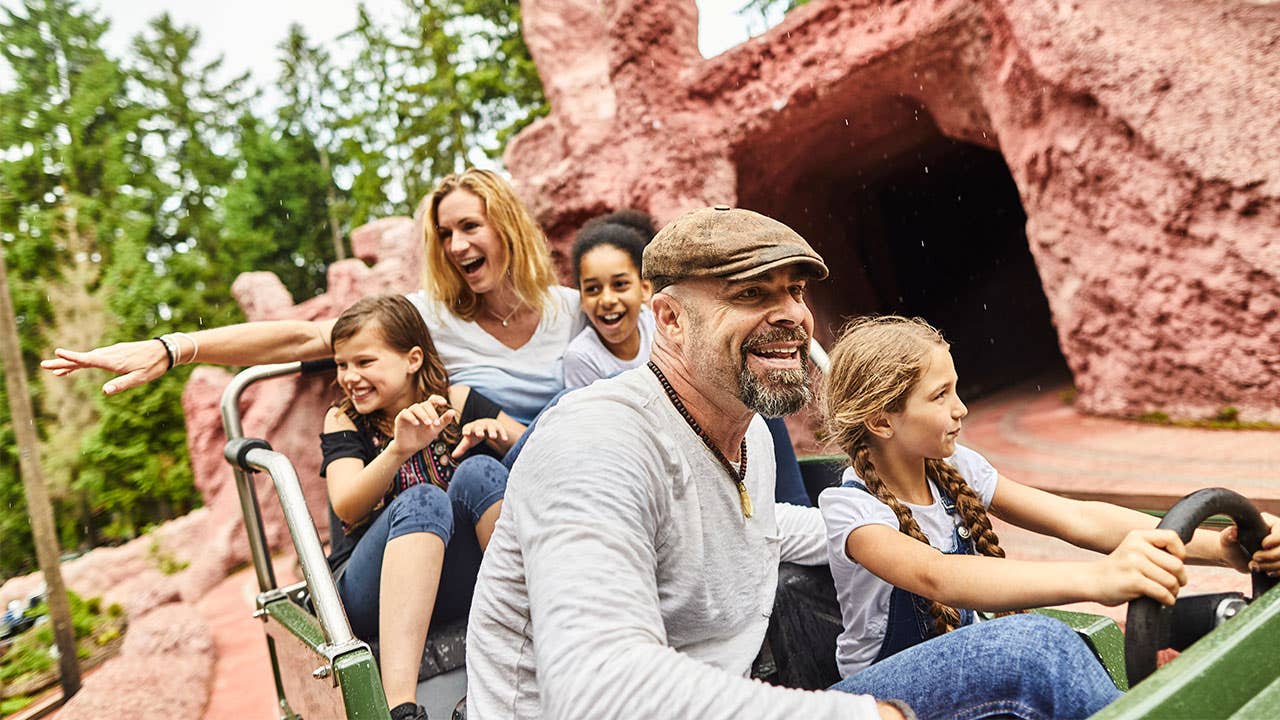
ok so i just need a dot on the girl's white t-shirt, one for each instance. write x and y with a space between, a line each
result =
588 360
521 380
864 597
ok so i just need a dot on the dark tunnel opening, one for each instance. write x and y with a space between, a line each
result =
935 230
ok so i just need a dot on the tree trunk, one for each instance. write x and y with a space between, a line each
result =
38 508
330 205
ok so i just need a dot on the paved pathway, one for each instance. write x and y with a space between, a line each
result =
242 687
1032 436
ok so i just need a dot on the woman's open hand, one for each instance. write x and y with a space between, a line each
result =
1266 560
478 431
1146 563
134 363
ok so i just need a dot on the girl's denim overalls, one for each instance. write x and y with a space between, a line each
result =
909 620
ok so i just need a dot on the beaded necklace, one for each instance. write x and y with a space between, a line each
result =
738 474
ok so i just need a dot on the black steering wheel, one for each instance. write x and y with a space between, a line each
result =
1150 625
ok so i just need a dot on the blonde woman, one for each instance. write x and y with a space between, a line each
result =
499 319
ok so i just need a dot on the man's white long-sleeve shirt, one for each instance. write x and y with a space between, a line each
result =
623 581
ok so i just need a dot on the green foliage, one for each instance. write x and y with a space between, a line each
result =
163 559
432 94
134 190
70 139
30 653
1227 418
26 657
277 211
9 706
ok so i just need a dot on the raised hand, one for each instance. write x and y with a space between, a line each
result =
135 363
1146 563
418 425
1265 560
478 431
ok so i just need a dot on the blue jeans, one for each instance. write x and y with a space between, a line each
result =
1023 666
478 483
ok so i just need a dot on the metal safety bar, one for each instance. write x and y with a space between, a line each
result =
306 541
819 357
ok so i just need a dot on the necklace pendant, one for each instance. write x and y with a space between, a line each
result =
506 322
748 509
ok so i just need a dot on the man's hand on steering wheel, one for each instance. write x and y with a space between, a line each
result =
1266 560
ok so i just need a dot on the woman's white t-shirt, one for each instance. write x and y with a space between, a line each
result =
588 360
864 597
521 380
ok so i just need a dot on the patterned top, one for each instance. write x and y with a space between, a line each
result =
433 464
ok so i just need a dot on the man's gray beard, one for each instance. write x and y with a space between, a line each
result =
781 392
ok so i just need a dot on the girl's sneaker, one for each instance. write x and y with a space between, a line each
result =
408 711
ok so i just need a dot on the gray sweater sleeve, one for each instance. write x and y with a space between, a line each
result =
590 537
804 534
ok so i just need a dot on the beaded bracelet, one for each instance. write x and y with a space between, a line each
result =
168 352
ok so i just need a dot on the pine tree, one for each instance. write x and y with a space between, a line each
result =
192 119
71 138
442 89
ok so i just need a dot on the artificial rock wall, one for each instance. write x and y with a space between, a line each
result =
1144 139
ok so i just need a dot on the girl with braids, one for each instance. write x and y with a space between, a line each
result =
407 477
908 534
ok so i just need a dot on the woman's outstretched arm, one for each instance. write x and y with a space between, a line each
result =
254 343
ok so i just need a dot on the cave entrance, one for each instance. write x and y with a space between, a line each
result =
934 228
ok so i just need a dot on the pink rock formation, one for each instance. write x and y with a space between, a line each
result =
164 665
127 574
173 629
1140 135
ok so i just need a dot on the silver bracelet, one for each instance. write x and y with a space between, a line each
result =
195 348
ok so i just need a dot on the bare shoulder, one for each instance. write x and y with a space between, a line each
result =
336 421
458 395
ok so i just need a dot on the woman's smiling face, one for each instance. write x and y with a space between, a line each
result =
470 243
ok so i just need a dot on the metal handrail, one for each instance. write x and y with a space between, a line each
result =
315 568
819 356
324 593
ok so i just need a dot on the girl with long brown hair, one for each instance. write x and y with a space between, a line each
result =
908 533
406 477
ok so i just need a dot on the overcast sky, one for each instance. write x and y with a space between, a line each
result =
246 32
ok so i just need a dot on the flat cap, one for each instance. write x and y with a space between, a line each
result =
724 242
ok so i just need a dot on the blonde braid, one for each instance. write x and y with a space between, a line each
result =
972 513
945 617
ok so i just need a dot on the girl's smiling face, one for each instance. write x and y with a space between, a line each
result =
374 376
612 295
